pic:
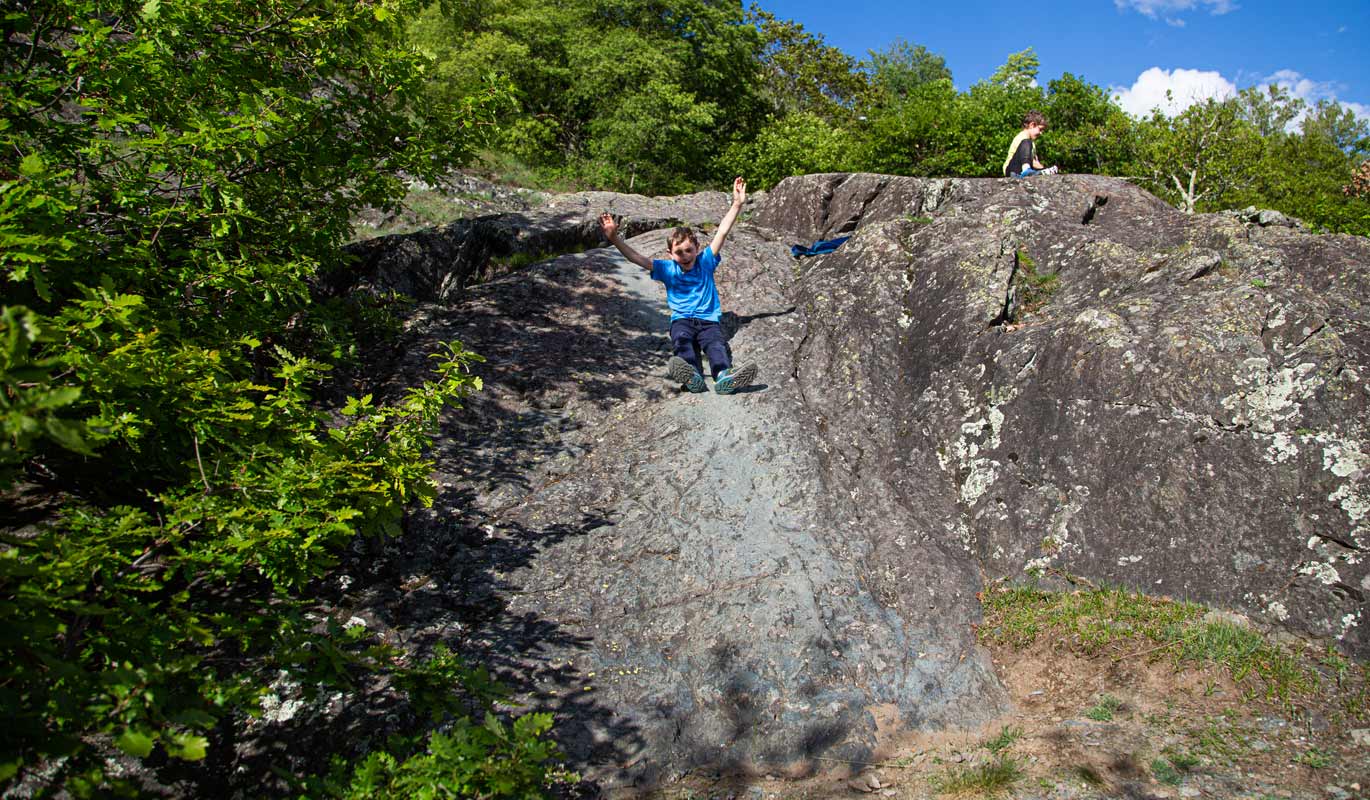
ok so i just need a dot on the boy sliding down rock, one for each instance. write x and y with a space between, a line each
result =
693 298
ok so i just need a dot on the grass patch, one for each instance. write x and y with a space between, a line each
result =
1088 776
1034 289
1126 624
1006 738
1221 739
1165 772
1314 758
1171 766
519 260
990 779
1104 710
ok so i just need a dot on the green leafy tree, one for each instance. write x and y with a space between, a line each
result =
796 144
1088 131
914 136
1304 172
173 175
799 73
606 88
1201 157
1270 110
899 69
1019 71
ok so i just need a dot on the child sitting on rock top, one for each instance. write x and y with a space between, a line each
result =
1022 152
693 298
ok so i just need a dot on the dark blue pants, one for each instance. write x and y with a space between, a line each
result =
690 336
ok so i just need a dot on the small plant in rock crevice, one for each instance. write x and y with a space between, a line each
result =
1034 290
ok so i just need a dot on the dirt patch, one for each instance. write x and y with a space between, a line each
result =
1105 727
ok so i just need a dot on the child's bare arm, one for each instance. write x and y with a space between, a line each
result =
726 225
610 228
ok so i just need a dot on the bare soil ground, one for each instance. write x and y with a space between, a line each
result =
1135 726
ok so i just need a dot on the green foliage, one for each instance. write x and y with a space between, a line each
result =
470 759
1314 758
174 175
898 70
633 95
797 144
989 779
1104 710
1172 765
1088 132
913 136
1113 620
801 74
1201 158
1033 289
1004 740
627 94
31 400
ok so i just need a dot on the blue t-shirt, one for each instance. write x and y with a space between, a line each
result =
691 293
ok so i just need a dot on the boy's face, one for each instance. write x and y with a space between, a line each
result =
684 253
1034 130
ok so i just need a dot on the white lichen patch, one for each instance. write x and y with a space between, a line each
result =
1281 448
1104 326
1124 561
1325 573
1057 542
1277 610
978 431
1351 501
1269 397
1344 459
1348 621
982 475
282 702
905 320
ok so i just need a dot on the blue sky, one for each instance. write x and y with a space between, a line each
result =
1138 48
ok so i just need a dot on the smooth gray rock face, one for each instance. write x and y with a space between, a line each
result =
776 578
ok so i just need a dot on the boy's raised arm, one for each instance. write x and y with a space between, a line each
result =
610 228
726 225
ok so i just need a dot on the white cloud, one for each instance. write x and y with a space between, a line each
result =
1169 8
1190 86
1299 86
1312 91
1186 87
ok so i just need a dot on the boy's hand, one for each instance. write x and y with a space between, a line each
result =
609 226
739 191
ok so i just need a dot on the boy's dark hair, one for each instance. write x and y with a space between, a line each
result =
1034 117
679 235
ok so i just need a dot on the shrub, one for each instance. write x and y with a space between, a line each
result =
173 174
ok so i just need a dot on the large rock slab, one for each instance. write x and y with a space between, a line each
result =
1105 387
991 378
439 264
672 575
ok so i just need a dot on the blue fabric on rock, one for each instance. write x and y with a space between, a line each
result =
818 248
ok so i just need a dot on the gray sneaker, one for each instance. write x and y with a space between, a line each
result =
730 380
682 373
